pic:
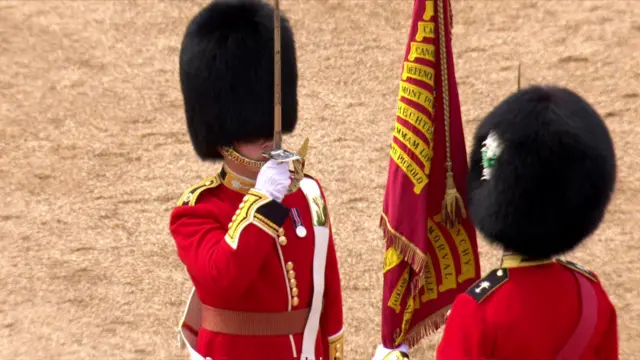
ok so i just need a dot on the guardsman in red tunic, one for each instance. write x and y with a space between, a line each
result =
256 244
541 176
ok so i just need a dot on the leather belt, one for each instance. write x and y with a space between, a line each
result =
254 323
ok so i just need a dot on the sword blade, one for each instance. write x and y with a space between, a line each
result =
277 96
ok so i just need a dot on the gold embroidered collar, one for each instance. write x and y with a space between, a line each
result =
236 182
511 260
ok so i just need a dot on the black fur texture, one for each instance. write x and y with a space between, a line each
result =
554 179
227 75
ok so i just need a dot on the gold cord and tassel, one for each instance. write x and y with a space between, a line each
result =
452 205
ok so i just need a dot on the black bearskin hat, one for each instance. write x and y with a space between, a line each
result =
542 172
227 75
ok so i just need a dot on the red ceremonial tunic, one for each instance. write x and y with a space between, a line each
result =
247 266
526 311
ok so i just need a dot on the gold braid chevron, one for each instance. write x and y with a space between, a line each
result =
246 214
452 198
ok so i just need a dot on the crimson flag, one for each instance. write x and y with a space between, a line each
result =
431 254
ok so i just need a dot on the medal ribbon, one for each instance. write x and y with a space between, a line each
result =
297 221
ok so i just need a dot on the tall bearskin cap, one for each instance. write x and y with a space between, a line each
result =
542 172
227 75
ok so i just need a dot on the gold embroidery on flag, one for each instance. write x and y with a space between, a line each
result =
422 51
428 10
391 259
430 284
447 268
463 244
398 292
467 260
417 119
419 95
406 320
416 145
417 176
418 72
426 30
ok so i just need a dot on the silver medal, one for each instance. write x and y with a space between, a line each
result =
301 231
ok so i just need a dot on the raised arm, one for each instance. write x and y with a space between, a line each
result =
225 247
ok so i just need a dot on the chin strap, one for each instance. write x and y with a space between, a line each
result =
236 157
298 165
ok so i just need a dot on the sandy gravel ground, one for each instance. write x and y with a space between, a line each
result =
94 153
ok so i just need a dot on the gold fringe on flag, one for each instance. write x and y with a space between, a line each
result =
427 327
409 252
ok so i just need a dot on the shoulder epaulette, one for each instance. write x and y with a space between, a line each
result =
488 284
575 267
191 194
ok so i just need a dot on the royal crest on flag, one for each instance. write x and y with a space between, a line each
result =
431 248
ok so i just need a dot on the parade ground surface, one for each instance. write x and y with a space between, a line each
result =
94 154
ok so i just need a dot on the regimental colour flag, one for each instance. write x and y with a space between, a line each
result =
431 250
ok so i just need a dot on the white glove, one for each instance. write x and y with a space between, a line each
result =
274 179
382 351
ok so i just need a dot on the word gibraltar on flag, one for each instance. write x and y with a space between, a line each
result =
431 249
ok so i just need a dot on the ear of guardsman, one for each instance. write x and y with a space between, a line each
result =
542 171
226 76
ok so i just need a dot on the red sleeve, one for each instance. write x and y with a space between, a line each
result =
229 255
463 332
331 319
607 349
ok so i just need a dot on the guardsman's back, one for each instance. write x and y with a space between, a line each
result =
541 175
527 310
